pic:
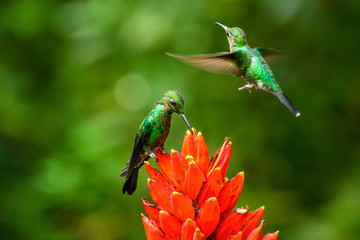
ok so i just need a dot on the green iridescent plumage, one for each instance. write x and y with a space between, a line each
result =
242 61
152 133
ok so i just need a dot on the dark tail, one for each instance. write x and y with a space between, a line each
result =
287 103
131 182
131 169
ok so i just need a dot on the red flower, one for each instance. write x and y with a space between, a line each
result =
193 198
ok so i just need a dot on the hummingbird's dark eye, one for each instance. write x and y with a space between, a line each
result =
228 34
173 102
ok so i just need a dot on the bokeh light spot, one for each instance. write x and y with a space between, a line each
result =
132 92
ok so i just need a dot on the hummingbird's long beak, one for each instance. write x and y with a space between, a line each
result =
186 121
223 26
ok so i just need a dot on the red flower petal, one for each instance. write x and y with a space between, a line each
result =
251 221
188 229
211 187
178 165
236 237
256 233
152 232
151 210
198 235
146 221
230 193
170 225
223 159
156 175
271 236
231 225
160 195
201 154
183 206
209 216
188 144
164 163
194 180
214 158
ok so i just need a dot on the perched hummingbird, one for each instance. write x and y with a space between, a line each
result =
152 133
242 61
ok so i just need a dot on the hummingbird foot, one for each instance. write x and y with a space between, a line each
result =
163 151
154 156
247 87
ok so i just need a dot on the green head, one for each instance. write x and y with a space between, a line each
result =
235 36
174 102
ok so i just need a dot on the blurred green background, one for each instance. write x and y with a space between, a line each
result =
78 77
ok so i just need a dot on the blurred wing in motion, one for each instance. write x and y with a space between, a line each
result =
224 63
270 55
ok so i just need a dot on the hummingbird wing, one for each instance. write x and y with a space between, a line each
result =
141 139
138 156
136 151
131 170
269 54
224 63
266 52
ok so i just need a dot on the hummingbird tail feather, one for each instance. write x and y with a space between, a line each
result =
130 165
130 171
131 182
287 103
125 170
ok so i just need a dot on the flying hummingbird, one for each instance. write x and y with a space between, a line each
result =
152 133
242 61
